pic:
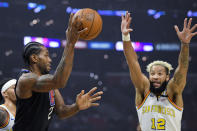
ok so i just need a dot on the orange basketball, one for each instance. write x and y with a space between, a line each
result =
92 21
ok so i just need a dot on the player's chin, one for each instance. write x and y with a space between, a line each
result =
47 70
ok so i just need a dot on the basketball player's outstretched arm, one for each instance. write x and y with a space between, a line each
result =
83 101
177 83
47 82
139 80
179 79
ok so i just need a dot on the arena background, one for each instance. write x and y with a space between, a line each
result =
153 22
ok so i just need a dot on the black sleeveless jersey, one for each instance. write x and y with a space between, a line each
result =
34 113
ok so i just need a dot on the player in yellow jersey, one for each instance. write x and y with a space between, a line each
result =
8 108
158 98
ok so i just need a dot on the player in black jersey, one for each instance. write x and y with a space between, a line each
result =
38 97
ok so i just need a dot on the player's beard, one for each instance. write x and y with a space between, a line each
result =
159 90
44 70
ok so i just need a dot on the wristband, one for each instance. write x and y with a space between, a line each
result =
126 37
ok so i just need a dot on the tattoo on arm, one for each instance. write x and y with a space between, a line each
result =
60 68
67 111
184 56
178 78
47 82
65 66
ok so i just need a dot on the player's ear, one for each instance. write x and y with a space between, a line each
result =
5 94
33 58
167 77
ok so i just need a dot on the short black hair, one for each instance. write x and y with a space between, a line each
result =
2 82
29 49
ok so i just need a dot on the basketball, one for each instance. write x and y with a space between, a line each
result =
91 20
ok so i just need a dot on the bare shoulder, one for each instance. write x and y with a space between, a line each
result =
2 110
25 84
27 80
28 77
3 115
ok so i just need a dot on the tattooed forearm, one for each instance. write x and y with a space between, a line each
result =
65 66
181 71
184 56
61 75
68 111
60 68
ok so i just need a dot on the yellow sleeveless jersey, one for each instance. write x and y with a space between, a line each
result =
159 114
9 122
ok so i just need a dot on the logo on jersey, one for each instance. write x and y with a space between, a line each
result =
52 97
50 112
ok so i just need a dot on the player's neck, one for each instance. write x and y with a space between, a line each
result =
35 69
11 106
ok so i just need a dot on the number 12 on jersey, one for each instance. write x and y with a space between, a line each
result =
158 124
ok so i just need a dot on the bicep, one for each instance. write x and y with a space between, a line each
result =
139 79
142 90
179 78
178 82
136 74
44 83
33 82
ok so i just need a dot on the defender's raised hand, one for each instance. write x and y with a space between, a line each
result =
84 101
187 33
125 24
